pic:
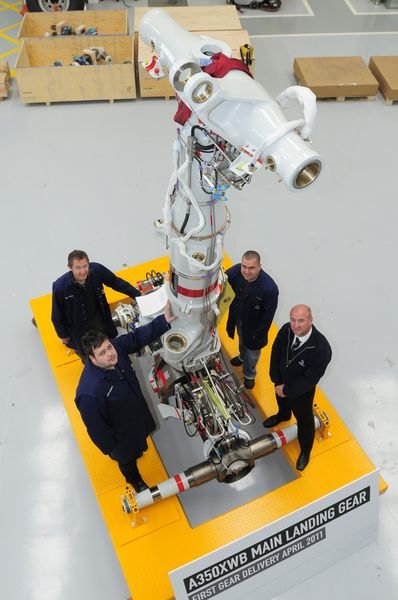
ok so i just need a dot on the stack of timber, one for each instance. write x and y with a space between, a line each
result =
4 79
385 69
339 78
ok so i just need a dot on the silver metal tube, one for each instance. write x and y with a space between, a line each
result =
236 455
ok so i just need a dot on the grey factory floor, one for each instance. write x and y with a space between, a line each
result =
93 176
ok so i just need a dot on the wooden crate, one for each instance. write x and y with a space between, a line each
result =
4 79
151 88
385 69
336 77
106 22
39 81
198 18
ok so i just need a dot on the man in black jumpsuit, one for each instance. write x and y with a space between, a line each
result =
251 312
79 303
299 357
110 399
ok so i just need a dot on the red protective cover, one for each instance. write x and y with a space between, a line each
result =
219 66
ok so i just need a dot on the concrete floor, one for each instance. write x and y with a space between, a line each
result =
94 176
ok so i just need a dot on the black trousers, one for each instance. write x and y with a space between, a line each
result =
129 469
302 410
78 348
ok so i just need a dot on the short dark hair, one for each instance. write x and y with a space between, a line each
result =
252 254
76 255
92 340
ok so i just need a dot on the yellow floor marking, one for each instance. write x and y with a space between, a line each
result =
11 5
10 27
9 39
9 52
16 8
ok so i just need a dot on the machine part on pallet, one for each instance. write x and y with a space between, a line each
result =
153 280
62 28
92 54
58 27
209 402
67 30
83 60
229 461
125 315
100 54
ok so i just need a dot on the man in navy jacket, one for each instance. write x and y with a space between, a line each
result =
110 399
251 312
79 302
299 357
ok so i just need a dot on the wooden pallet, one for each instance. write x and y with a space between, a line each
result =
385 69
337 77
4 79
389 101
345 98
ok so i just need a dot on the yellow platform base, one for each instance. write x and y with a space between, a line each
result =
165 540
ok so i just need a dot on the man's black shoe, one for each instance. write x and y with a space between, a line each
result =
236 361
272 421
303 460
34 322
139 485
248 383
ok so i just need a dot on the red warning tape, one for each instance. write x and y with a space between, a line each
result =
179 483
196 293
281 436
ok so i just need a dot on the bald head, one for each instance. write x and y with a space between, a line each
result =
300 319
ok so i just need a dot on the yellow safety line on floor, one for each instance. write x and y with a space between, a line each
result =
9 39
15 8
9 52
3 29
11 4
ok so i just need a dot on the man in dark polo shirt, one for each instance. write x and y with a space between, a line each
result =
79 303
251 312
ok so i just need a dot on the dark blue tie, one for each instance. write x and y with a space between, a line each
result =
295 344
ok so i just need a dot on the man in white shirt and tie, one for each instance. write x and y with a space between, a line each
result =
299 357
